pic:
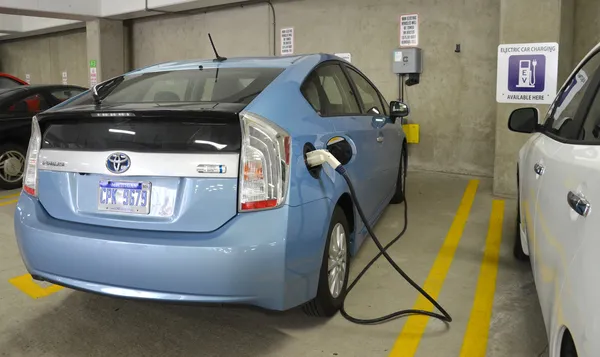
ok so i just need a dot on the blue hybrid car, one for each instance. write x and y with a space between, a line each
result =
187 181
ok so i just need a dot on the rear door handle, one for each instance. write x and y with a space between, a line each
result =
578 204
539 169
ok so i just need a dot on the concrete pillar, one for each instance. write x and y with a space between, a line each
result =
105 49
524 22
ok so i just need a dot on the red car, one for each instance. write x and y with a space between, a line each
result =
8 81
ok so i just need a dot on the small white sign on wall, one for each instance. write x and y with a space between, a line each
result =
345 55
287 41
28 78
409 30
527 73
64 78
93 76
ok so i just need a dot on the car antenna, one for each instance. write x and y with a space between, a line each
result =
218 58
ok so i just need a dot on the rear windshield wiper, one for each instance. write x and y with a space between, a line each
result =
102 90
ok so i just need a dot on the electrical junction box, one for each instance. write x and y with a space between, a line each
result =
407 61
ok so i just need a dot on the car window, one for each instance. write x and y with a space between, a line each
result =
310 89
368 94
561 120
224 85
329 92
591 125
168 90
8 83
65 93
32 104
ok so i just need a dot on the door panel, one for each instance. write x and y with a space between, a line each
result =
387 151
571 169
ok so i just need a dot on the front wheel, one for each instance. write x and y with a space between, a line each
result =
12 164
401 181
333 277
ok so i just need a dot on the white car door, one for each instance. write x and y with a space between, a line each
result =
570 167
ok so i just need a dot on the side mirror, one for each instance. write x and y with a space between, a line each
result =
524 120
398 110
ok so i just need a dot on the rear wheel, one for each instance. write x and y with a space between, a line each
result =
12 164
401 183
333 277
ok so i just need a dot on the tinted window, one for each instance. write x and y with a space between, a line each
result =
329 92
561 118
156 135
591 126
226 85
368 94
32 104
66 93
8 83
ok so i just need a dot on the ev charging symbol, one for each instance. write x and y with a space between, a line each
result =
526 73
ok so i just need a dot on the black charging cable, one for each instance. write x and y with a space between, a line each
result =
444 316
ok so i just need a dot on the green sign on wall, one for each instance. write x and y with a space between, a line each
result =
93 63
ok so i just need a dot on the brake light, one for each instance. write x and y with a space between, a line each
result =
30 179
265 163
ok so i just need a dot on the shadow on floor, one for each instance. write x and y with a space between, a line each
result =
83 324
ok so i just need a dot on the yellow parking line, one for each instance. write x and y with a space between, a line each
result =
476 337
6 203
26 284
407 343
10 196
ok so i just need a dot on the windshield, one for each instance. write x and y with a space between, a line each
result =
225 85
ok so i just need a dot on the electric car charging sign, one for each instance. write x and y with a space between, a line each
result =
527 73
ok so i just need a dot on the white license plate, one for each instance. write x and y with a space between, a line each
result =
124 196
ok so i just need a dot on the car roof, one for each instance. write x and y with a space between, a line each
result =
237 62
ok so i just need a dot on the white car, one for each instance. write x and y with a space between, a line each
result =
559 210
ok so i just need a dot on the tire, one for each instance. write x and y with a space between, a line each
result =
401 181
327 303
12 165
517 246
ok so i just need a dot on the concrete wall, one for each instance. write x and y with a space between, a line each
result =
455 102
587 27
237 32
46 57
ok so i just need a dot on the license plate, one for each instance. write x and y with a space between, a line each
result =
124 196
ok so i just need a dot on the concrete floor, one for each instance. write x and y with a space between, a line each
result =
71 323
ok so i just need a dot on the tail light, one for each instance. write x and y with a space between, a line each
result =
30 179
265 164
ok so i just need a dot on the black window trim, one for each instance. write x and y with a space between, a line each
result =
347 67
584 106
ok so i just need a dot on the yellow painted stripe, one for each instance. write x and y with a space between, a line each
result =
407 343
6 203
10 196
476 337
26 284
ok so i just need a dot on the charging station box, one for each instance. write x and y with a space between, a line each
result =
407 61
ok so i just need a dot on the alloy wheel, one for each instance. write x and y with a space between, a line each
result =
336 267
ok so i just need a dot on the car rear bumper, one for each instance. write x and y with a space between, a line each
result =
248 261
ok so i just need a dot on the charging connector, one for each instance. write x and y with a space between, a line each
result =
319 157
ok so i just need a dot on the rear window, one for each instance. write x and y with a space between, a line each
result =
155 135
224 85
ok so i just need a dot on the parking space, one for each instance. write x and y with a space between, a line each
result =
454 222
